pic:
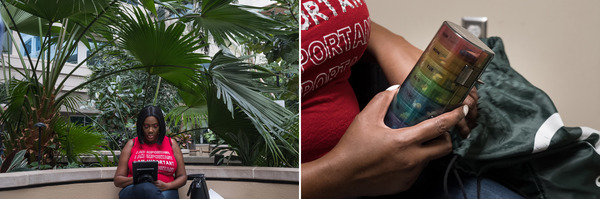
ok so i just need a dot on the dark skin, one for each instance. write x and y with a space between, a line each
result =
372 159
390 159
150 136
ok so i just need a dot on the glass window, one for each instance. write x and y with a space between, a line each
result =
73 58
32 44
6 43
78 119
92 61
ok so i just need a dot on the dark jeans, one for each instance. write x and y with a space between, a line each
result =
147 190
431 185
487 189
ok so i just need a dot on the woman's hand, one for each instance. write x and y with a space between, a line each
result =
397 57
372 159
470 121
162 185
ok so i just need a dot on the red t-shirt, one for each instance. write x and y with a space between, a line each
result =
163 153
334 36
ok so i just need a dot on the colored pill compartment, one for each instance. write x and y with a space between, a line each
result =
441 79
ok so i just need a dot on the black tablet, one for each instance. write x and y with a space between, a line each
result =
144 169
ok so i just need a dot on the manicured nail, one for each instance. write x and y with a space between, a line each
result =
393 87
465 109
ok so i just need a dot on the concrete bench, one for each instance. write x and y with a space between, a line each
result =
92 183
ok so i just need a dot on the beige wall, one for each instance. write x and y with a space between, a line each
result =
554 44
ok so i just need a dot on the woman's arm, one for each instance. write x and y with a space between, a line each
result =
395 55
180 174
121 179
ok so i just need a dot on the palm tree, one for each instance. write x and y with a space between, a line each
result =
228 87
228 79
36 97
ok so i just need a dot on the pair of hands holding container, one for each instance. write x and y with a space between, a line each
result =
373 159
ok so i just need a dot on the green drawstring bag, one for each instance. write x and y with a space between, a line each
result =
521 141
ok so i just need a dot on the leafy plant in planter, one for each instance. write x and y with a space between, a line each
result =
37 96
233 91
228 91
14 162
77 139
229 88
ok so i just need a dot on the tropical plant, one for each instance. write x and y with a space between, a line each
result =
242 148
281 51
14 162
183 139
77 139
120 97
226 74
104 161
37 96
228 89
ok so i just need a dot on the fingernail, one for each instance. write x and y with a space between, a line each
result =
465 109
393 87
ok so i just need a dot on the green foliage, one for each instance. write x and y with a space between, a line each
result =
164 50
35 97
3 93
77 140
211 138
121 96
281 51
235 96
235 89
70 165
15 162
228 79
249 151
103 160
34 165
189 118
226 22
183 139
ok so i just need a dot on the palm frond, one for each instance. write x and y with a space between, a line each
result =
221 121
77 139
149 4
225 21
235 92
235 81
26 22
153 43
17 102
58 10
71 103
193 117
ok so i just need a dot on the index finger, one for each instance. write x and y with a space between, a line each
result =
434 127
379 104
